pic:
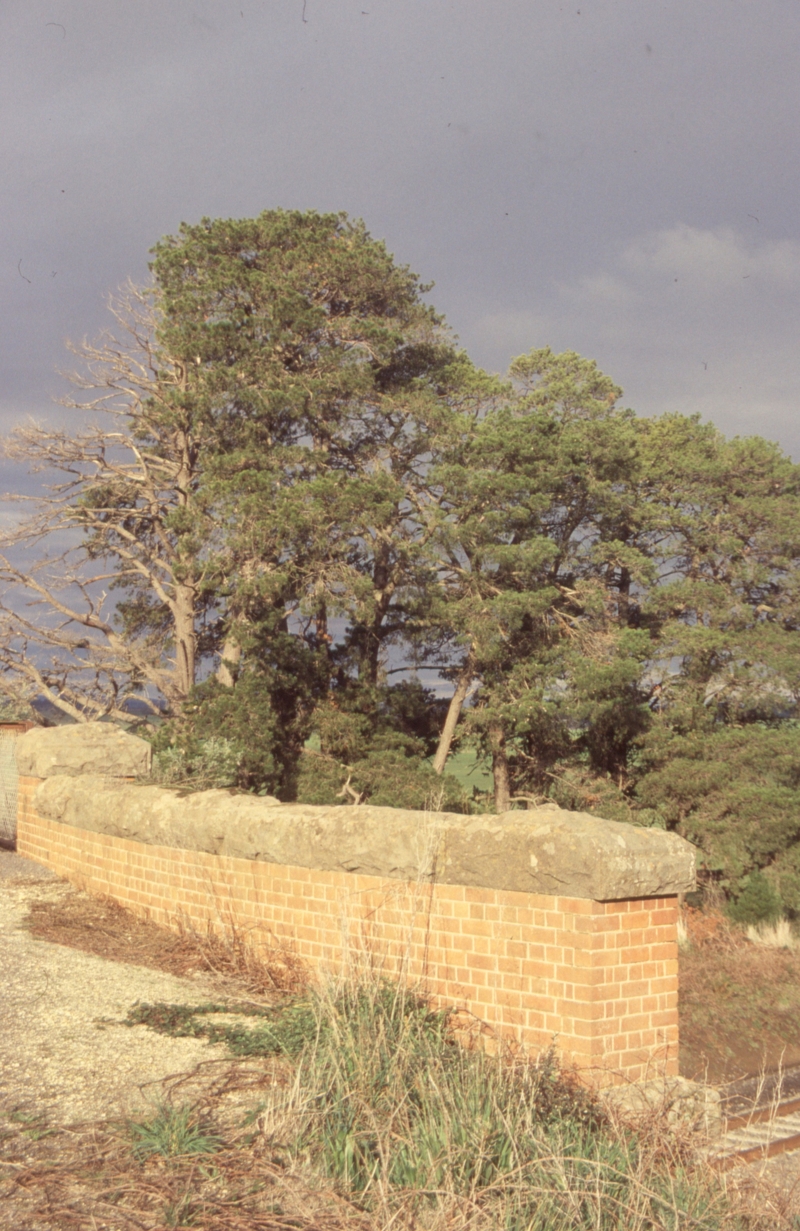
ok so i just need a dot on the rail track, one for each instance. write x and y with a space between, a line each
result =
761 1117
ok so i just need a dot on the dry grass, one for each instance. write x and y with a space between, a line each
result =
773 935
99 925
379 1122
739 1001
88 1176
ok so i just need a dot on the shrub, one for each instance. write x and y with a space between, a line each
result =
758 901
201 764
385 777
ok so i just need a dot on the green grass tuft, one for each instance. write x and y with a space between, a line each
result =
172 1132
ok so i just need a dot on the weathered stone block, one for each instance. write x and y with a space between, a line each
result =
569 854
86 748
684 1103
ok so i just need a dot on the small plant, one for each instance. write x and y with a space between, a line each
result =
172 1132
181 1213
33 1124
211 763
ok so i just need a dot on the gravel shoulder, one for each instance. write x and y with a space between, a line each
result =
65 1055
71 1074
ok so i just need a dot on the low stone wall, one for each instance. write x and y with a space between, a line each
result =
550 927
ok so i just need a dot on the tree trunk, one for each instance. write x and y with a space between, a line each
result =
383 587
321 625
323 639
229 662
624 597
502 786
185 647
453 714
185 600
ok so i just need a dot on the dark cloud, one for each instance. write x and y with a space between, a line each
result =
555 172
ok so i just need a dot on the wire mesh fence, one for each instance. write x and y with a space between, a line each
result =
8 781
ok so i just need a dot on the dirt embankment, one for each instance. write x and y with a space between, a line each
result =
739 1003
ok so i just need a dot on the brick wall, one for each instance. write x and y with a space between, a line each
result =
598 979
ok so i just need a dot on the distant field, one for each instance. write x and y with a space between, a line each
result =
465 767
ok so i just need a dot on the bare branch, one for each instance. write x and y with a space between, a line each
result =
119 508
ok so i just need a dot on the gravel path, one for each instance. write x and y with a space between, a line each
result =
64 1054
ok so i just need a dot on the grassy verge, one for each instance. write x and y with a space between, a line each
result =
352 1106
411 1129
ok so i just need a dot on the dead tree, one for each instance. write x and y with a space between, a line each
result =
105 580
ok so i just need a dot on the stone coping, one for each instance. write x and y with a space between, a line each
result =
547 851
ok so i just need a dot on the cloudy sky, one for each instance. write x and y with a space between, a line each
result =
617 177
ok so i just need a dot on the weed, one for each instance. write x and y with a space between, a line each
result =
171 1132
282 1030
181 1213
32 1124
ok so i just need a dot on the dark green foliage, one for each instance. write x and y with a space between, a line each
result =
264 720
321 780
385 777
735 791
533 509
412 710
261 758
388 778
324 383
374 742
757 902
627 593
